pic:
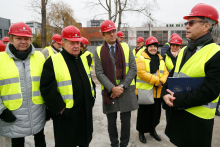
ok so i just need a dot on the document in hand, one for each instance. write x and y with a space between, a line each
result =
182 85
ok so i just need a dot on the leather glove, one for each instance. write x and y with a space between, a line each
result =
7 116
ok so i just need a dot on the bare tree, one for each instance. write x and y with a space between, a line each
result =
40 7
43 23
121 6
61 15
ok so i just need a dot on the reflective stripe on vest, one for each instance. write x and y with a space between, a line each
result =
169 63
10 86
125 48
63 78
194 67
145 88
87 53
138 53
50 51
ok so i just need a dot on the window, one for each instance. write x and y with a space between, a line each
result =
6 33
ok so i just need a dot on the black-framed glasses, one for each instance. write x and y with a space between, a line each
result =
191 22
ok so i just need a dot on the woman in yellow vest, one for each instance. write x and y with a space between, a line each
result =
22 109
151 75
170 62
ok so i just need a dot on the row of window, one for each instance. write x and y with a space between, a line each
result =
5 33
172 25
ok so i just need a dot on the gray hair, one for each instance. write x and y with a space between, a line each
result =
211 21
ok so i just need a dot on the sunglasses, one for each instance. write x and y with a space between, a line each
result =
191 22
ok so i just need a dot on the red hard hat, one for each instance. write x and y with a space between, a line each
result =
151 40
20 29
84 41
205 11
140 39
5 39
2 46
107 26
71 33
120 34
176 40
174 34
57 38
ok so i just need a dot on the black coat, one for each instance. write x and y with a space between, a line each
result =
75 125
168 52
185 129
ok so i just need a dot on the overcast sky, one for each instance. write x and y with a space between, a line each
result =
170 11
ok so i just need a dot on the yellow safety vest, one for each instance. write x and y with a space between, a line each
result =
167 44
87 53
169 63
138 53
63 78
194 67
126 54
50 51
10 86
145 88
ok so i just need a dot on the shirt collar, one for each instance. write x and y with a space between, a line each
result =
109 46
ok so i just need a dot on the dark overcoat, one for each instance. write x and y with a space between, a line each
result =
75 126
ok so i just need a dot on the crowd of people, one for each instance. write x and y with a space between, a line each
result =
56 84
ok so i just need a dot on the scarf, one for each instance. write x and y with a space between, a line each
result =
155 62
192 45
55 49
20 55
107 66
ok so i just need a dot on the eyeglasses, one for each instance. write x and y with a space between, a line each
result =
191 22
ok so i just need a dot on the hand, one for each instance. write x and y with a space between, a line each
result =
112 96
117 91
8 116
168 98
62 111
160 84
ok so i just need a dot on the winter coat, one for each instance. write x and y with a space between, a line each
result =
75 126
30 117
148 77
45 52
128 100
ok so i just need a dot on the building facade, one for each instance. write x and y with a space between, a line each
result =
35 26
4 27
94 23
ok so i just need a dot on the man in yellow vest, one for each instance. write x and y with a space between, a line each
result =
140 47
88 54
120 36
115 69
55 47
69 93
191 120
